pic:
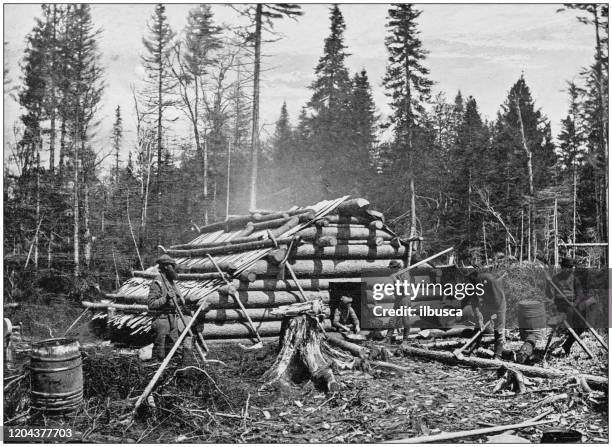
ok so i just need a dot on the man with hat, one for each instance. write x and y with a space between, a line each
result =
571 287
163 293
345 318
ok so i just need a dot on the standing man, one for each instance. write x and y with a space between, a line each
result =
491 305
572 288
163 293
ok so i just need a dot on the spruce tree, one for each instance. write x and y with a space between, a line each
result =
330 106
408 86
363 138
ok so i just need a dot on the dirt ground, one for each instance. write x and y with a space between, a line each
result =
373 406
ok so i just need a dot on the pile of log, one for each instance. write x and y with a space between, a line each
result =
272 259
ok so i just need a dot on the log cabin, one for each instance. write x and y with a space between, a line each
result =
323 249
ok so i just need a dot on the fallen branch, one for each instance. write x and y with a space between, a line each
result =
466 433
534 371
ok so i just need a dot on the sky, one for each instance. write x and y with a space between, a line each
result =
480 49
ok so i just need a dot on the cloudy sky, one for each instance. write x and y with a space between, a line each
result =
476 48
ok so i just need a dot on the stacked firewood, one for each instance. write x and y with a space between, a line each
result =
304 248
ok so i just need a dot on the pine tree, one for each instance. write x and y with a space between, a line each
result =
522 159
330 106
117 138
160 83
468 157
363 136
407 84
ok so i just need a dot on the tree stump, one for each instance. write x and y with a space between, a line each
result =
305 354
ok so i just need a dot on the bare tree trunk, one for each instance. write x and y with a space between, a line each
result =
159 145
522 236
484 242
529 161
75 212
87 235
529 232
574 216
37 208
556 235
227 186
205 179
255 117
49 249
62 149
145 202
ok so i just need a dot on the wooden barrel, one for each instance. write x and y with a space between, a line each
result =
57 375
531 319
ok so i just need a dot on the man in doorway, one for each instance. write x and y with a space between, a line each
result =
163 293
345 318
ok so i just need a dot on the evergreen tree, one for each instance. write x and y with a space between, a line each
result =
363 136
522 160
407 84
330 105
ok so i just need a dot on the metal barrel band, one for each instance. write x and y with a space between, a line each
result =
56 405
53 370
55 359
58 395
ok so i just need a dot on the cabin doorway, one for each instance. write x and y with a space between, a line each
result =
339 289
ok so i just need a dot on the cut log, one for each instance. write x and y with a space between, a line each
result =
226 249
250 299
258 314
276 256
139 308
291 223
324 268
325 241
353 207
228 342
235 240
275 223
182 276
372 242
259 217
376 225
336 339
309 284
242 330
336 219
343 232
533 371
239 221
247 276
308 251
